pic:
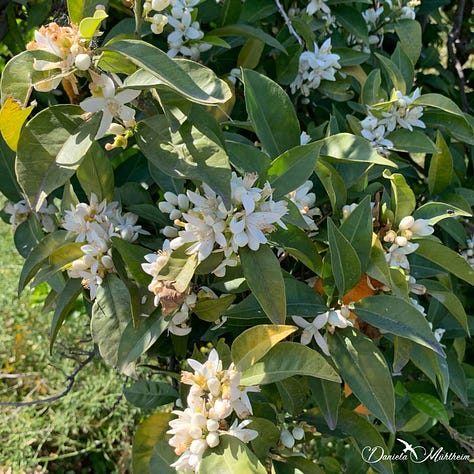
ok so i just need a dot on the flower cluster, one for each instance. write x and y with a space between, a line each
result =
94 224
321 10
20 211
215 394
383 118
328 320
304 200
66 43
207 222
400 241
315 66
185 39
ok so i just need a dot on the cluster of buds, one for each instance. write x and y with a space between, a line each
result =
215 394
157 20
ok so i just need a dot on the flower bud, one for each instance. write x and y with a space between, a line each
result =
83 62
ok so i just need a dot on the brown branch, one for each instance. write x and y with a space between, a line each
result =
70 382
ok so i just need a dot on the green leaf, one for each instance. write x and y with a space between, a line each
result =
291 169
40 142
457 126
271 112
333 183
352 20
411 141
441 169
39 255
162 457
409 32
79 9
230 12
287 359
327 395
8 184
202 76
366 436
402 349
269 290
350 57
393 73
251 345
448 299
193 152
148 433
156 62
247 31
346 266
250 53
437 211
347 147
377 267
64 305
110 316
136 341
434 367
426 403
27 235
268 436
357 228
457 377
301 300
363 367
397 316
403 197
297 243
371 89
211 309
293 393
231 456
446 258
96 174
247 158
146 394
18 76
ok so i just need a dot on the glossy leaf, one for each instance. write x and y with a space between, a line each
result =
247 158
156 62
403 197
146 394
352 20
39 255
393 73
447 299
291 169
110 316
148 433
297 243
363 367
409 32
430 405
398 316
446 258
287 359
211 309
346 266
441 168
134 342
327 395
231 456
251 345
271 112
437 211
89 25
270 290
41 140
193 152
8 184
79 9
64 305
247 31
411 141
96 174
357 228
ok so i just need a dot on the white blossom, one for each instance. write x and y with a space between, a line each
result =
111 104
315 66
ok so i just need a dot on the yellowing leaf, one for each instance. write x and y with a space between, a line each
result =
89 25
12 118
250 346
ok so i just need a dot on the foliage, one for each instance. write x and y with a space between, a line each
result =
75 432
271 191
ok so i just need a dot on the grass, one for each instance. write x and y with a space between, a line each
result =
90 429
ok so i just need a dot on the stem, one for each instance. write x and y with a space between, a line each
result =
288 22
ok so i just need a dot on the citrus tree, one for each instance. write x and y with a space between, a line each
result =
265 207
